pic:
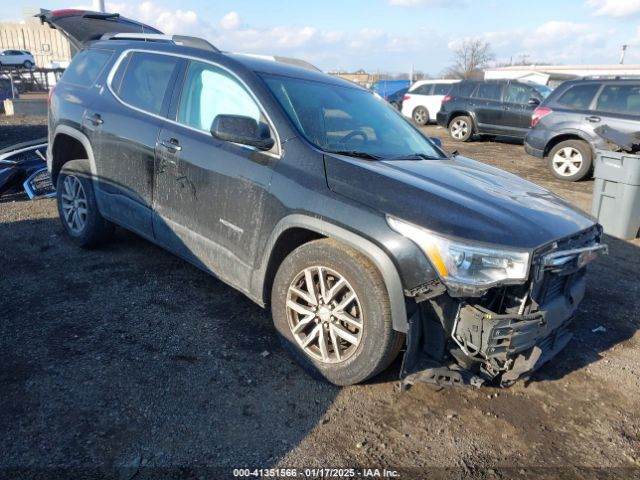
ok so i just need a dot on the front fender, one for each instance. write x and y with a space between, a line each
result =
378 257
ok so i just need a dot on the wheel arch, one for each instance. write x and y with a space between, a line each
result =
295 230
563 137
69 144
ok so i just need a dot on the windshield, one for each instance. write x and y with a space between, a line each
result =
349 120
543 90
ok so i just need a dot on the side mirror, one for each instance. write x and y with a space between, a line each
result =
533 101
437 141
243 130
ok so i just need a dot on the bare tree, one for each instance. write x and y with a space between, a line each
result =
470 58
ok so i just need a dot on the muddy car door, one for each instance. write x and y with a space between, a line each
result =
210 194
125 134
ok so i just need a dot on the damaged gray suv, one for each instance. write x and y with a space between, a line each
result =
310 195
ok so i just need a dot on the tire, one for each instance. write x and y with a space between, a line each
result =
74 195
420 116
461 128
369 345
28 64
571 160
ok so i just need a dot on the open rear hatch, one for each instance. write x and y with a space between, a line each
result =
83 26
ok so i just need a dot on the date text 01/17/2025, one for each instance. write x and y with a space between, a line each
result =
330 473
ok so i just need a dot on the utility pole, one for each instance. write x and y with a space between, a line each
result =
624 50
98 5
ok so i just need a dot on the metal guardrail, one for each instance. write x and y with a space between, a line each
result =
31 80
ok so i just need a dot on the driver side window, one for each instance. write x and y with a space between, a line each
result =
208 92
519 94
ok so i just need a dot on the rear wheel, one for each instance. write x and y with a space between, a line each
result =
77 206
331 309
570 160
421 115
461 128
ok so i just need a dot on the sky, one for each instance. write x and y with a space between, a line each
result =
393 35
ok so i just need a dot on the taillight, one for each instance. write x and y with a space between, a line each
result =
446 99
49 96
406 97
538 114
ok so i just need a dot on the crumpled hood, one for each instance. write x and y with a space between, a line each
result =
458 197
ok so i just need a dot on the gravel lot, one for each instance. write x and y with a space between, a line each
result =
126 362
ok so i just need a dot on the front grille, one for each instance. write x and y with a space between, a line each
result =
552 284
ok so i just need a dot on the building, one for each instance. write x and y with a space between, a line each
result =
46 44
360 77
553 75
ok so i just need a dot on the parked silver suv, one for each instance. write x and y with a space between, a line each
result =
562 127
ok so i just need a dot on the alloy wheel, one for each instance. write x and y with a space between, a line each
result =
420 116
567 161
74 204
324 314
459 129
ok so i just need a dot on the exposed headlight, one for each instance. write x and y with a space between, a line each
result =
459 262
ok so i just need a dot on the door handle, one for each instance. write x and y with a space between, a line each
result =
96 119
593 119
171 144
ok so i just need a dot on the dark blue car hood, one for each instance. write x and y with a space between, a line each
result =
458 197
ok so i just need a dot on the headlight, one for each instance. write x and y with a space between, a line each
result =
463 263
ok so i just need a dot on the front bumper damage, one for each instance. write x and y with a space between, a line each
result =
504 334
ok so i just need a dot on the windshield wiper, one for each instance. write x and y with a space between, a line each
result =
356 153
414 156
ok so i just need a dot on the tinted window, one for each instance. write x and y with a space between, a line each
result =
423 90
208 92
579 96
517 93
489 91
442 88
620 99
145 80
86 66
464 89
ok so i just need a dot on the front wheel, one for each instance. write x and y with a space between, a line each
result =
77 206
331 310
28 64
461 128
570 160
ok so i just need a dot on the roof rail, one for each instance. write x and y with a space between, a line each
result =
152 37
195 42
182 40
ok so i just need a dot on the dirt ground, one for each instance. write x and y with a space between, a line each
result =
127 362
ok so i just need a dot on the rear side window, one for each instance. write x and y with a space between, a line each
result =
489 91
620 99
423 90
85 67
464 89
144 80
442 88
579 96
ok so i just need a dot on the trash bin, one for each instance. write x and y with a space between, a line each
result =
616 193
